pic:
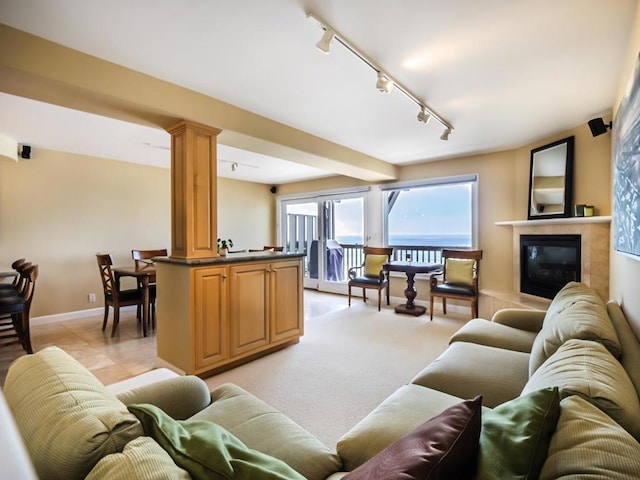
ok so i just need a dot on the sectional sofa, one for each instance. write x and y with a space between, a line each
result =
528 394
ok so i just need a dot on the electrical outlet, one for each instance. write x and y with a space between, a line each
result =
92 298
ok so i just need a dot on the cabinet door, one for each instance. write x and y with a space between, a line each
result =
248 307
210 307
286 300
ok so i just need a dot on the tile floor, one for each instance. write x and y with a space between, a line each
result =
128 353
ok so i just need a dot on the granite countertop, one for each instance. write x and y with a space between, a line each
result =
231 258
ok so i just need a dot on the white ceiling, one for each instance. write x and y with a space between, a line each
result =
503 73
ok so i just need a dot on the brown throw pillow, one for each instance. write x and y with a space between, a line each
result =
443 447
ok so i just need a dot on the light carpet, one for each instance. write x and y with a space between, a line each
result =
348 361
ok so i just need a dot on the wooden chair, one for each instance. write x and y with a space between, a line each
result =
273 248
15 311
144 259
459 279
371 274
112 295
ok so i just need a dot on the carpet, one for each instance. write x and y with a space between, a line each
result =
348 361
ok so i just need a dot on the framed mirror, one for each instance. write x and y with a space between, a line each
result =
551 180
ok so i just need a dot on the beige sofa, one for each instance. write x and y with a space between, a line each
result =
566 380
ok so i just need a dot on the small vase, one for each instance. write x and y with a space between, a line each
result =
223 252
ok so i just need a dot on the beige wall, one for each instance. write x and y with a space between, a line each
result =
58 210
625 270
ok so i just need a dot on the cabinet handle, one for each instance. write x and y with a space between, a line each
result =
224 276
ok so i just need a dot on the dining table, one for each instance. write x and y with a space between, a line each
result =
410 269
144 276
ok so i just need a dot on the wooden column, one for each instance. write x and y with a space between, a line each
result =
194 216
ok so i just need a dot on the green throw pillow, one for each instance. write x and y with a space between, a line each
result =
207 450
515 436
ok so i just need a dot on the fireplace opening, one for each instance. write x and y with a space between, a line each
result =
548 263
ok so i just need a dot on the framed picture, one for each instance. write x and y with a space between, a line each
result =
626 174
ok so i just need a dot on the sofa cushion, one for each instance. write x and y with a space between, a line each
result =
466 370
485 332
67 418
263 428
589 444
587 369
142 459
515 436
629 342
446 446
401 412
207 450
584 317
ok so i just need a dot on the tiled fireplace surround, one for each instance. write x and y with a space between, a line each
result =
594 234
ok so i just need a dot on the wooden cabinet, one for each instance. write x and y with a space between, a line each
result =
236 311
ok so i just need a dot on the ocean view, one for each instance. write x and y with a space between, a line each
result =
429 240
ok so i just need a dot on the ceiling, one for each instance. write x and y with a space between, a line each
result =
503 73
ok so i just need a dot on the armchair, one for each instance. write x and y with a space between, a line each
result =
371 274
459 279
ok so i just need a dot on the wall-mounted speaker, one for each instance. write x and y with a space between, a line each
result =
25 152
598 127
274 189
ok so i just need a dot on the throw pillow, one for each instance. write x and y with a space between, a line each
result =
585 368
207 450
373 264
459 271
142 459
443 447
589 444
515 436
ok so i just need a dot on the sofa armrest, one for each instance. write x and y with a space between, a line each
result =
521 318
179 397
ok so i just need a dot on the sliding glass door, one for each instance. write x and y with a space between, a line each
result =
330 230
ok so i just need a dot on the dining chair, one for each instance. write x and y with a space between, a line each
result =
14 275
144 259
113 296
371 274
459 279
273 248
15 311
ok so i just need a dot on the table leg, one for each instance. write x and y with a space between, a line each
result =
145 304
410 307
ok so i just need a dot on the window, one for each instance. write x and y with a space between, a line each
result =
435 213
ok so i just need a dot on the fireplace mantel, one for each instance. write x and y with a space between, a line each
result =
556 221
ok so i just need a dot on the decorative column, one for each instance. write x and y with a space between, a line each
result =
194 216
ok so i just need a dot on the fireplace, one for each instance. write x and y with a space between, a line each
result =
548 263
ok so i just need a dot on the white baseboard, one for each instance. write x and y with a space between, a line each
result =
61 317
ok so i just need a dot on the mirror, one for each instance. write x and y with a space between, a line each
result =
551 180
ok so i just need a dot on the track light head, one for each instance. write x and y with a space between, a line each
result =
324 45
384 83
423 116
445 134
598 127
234 166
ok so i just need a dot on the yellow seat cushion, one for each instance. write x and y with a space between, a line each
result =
373 264
459 271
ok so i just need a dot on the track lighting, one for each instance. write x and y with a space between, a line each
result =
324 45
423 116
384 83
234 166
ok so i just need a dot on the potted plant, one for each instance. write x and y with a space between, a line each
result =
223 246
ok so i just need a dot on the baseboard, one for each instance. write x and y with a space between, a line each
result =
62 317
